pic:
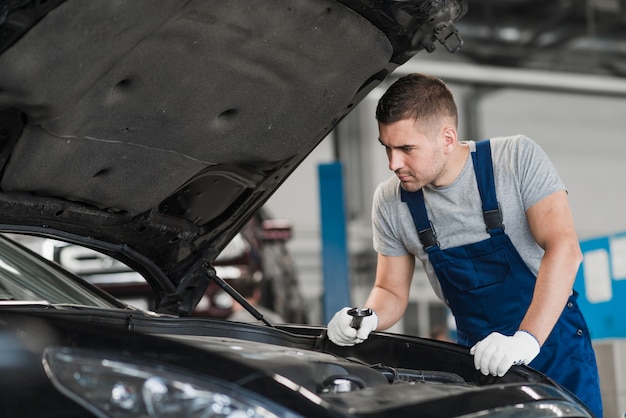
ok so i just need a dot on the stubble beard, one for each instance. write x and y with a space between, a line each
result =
411 185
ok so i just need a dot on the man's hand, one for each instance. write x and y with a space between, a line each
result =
496 353
341 333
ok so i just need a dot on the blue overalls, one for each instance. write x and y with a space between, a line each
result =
488 287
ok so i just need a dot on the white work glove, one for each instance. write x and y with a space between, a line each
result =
496 353
341 333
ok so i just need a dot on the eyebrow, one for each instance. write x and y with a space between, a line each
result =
396 147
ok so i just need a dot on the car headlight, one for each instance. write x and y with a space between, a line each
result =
541 409
118 386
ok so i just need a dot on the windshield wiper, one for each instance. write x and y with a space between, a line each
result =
47 305
15 302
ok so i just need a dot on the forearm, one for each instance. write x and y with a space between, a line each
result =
552 289
388 306
390 294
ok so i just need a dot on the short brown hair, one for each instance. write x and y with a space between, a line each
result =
420 97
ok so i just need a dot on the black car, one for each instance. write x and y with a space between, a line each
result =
152 132
69 349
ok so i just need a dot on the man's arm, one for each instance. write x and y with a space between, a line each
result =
390 294
552 224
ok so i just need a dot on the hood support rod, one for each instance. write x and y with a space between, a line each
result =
235 295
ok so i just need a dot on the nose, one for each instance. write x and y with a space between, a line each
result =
396 161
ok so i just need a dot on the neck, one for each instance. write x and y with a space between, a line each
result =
454 165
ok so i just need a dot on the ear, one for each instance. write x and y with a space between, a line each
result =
449 137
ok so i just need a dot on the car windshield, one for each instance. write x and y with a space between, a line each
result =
26 277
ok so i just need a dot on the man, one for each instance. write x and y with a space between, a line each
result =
496 238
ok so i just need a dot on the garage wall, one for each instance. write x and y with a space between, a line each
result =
585 137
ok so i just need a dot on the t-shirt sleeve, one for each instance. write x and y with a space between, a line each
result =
537 175
385 223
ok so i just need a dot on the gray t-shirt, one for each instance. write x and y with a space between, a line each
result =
523 176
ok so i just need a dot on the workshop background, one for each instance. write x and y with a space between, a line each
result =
554 71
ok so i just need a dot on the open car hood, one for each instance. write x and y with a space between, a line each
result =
151 131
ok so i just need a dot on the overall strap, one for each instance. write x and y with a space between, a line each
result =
483 167
417 207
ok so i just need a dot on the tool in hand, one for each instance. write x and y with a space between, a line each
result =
358 315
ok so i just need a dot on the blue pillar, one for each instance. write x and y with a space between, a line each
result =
336 278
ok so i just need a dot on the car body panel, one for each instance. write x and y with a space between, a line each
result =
300 366
45 309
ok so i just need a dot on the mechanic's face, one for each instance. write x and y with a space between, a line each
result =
418 155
